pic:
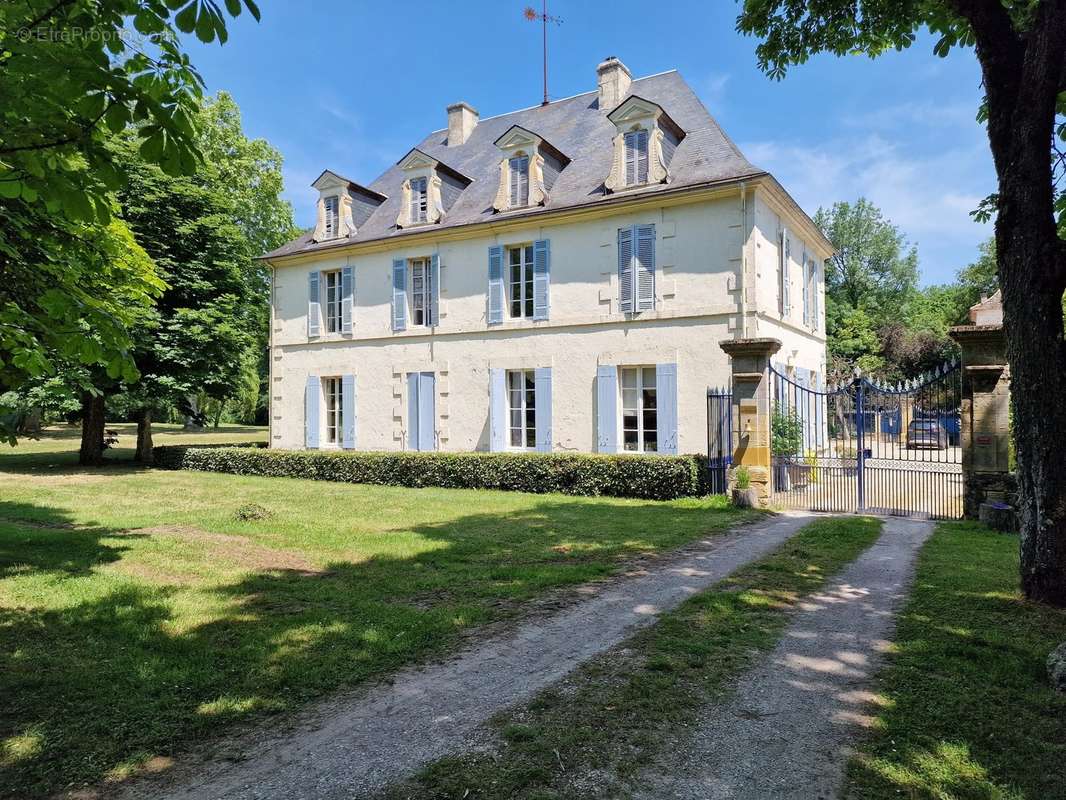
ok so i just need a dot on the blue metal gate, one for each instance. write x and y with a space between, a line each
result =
866 446
719 439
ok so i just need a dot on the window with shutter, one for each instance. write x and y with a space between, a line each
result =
519 169
521 409
636 148
419 200
334 301
636 268
783 274
421 292
625 270
805 277
333 390
332 211
639 412
520 280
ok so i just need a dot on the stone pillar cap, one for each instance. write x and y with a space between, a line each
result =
764 346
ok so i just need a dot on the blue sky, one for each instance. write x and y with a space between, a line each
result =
351 86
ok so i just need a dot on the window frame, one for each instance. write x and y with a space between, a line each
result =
642 137
420 268
333 399
331 224
333 308
419 209
641 430
525 285
517 200
526 430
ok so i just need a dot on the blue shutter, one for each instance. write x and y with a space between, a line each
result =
625 270
541 278
645 266
311 405
805 277
412 410
348 411
542 383
434 288
495 285
427 411
607 409
313 303
786 280
399 294
666 407
814 294
497 410
347 299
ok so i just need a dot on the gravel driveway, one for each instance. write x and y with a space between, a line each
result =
786 731
357 747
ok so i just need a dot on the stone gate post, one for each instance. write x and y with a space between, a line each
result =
985 408
751 409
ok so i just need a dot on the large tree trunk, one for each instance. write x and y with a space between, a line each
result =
91 453
1023 75
144 454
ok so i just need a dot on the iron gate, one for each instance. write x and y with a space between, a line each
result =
719 439
866 446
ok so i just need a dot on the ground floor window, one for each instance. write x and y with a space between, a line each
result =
333 389
522 408
639 419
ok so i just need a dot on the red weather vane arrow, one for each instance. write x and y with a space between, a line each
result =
544 18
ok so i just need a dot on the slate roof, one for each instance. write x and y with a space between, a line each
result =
578 129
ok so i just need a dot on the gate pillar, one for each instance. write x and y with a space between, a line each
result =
751 409
985 434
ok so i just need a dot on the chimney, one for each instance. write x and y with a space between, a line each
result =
462 119
614 79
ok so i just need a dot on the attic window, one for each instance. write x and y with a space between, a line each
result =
332 215
636 157
419 200
519 181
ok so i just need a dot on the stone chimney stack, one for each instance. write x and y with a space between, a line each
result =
462 119
613 78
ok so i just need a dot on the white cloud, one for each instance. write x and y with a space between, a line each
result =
928 195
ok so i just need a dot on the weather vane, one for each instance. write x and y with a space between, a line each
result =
531 14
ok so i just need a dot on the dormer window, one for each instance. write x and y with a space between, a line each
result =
636 157
644 144
419 199
343 205
429 189
519 179
331 208
529 166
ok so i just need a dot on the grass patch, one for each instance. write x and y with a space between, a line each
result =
141 610
970 713
589 735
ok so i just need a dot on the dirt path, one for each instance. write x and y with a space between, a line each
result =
361 746
786 731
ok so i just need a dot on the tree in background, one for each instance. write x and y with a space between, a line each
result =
196 337
1021 48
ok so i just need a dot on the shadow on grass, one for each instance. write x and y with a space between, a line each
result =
971 714
101 672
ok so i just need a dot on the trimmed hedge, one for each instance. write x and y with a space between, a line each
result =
647 477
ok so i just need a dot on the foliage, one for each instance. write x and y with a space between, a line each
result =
873 268
967 710
649 477
786 432
71 75
742 475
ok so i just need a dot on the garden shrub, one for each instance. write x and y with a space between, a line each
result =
648 477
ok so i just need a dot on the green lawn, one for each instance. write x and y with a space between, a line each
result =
969 712
589 736
138 613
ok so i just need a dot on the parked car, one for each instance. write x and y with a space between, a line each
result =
926 433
